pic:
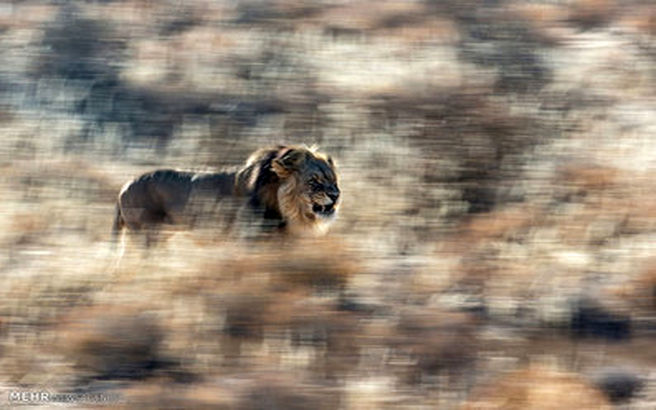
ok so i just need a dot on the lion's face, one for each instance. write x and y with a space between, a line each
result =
319 184
309 191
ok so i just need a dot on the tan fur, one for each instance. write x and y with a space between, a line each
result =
270 191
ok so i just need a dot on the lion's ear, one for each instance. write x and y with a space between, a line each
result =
288 162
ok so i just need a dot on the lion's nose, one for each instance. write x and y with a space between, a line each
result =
333 194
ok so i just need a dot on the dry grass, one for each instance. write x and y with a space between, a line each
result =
496 165
538 388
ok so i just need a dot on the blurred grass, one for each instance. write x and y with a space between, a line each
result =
497 166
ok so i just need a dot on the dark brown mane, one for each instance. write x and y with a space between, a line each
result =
259 182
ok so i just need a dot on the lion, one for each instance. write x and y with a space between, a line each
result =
288 189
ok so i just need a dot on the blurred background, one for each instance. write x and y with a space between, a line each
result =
496 243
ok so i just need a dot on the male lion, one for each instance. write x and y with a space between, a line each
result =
285 188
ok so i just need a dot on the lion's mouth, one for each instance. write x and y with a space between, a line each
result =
324 210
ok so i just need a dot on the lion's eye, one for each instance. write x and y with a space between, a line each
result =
314 185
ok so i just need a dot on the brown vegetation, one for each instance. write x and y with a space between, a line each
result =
538 388
496 164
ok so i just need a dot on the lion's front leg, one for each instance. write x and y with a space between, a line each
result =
254 223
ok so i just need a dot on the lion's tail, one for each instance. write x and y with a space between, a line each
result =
118 225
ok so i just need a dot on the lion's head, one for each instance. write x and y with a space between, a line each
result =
308 194
295 184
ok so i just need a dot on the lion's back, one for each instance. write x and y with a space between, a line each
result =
159 188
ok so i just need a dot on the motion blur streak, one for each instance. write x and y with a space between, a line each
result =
496 238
